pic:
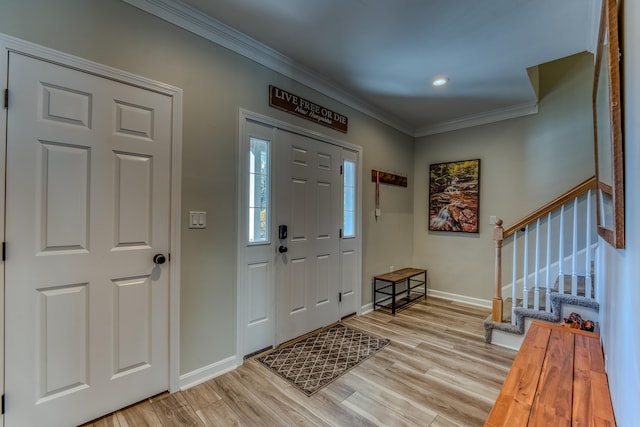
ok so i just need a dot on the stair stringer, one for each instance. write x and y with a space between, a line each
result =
555 316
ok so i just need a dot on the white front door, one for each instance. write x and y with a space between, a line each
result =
87 208
308 203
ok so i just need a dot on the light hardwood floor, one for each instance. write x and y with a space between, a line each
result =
437 371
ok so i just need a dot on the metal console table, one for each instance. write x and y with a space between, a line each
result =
397 289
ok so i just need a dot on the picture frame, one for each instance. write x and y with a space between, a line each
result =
607 125
454 196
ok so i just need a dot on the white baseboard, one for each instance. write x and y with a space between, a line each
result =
206 373
459 298
506 339
367 308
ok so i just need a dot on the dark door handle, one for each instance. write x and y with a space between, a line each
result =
283 249
159 259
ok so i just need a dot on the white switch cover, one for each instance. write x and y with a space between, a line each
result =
492 220
197 219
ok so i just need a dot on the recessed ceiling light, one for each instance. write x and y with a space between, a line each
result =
440 81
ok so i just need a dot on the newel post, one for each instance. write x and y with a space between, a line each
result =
496 307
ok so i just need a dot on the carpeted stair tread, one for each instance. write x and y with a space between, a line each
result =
553 316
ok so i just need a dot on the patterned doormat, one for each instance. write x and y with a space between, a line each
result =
319 359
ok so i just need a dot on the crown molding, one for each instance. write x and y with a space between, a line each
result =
196 22
510 112
184 16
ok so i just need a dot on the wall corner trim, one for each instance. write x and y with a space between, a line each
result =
208 372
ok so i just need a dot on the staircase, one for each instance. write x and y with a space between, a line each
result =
549 267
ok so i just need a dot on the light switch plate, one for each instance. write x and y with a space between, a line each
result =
197 219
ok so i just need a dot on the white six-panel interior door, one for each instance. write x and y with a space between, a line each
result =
88 187
283 295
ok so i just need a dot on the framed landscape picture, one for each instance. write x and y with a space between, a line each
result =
454 194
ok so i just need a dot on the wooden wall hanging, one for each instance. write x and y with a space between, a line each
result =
301 107
389 178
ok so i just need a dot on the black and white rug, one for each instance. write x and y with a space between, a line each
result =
319 359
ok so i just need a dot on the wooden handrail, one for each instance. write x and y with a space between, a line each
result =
552 205
499 234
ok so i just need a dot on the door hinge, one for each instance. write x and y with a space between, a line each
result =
341 170
4 251
2 405
6 98
339 300
341 233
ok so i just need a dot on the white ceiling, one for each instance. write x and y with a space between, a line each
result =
383 54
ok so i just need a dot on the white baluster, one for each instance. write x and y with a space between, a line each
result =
547 300
587 278
561 253
536 274
574 254
525 271
597 260
514 278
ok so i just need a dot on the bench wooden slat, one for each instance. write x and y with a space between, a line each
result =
552 405
557 379
596 356
582 387
513 405
399 275
509 413
600 396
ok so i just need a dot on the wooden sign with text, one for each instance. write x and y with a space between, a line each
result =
388 178
304 108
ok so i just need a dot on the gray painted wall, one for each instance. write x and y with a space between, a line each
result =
619 270
216 83
524 163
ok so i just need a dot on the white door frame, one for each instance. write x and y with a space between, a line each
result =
241 287
12 44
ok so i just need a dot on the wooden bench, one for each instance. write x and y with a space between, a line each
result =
557 379
397 289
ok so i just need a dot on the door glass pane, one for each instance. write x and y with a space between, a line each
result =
349 173
259 209
349 210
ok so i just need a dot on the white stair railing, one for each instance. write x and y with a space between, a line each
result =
514 276
588 284
539 265
561 249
